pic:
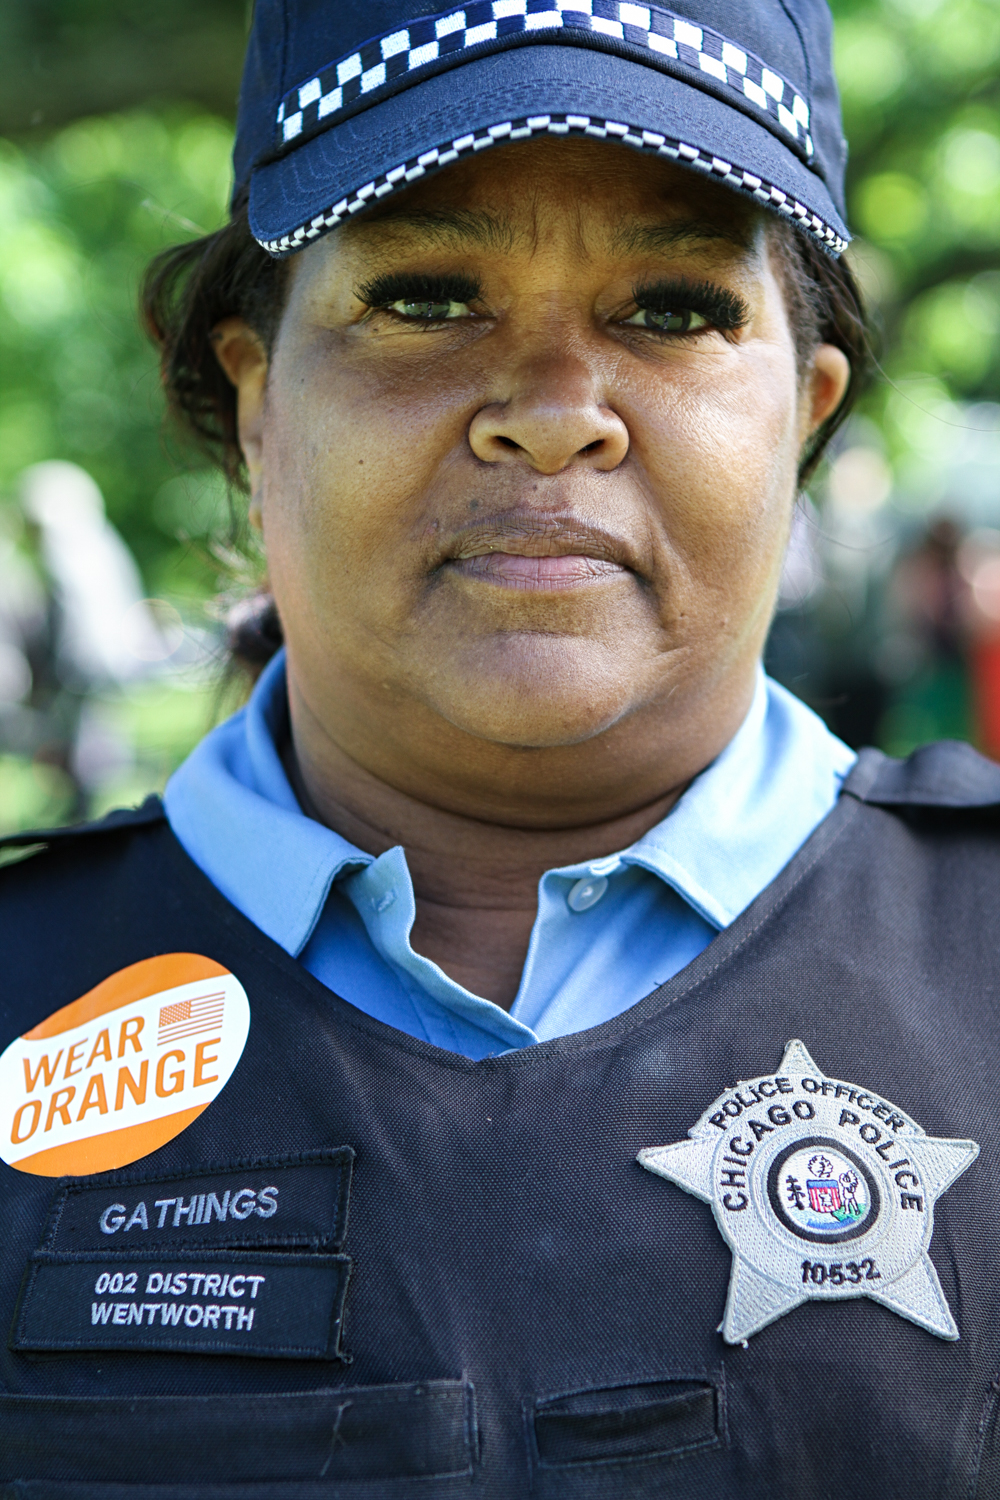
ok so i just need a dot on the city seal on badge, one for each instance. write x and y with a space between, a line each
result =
822 1190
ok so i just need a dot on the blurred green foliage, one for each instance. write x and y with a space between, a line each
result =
61 60
115 131
80 215
920 85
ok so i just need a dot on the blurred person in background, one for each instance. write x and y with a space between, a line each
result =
73 627
940 631
23 632
978 561
526 1051
926 651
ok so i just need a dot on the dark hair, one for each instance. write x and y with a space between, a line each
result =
185 292
825 306
190 288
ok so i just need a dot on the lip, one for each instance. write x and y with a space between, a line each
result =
535 553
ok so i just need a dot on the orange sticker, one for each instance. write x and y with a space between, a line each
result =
121 1071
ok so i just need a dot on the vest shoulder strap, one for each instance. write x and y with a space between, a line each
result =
151 811
945 774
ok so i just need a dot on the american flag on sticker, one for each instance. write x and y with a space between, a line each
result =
189 1017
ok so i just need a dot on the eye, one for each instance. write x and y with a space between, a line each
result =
420 298
683 320
677 307
429 312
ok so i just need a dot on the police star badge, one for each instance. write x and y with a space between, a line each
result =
821 1190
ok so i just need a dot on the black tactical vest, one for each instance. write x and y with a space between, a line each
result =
469 1284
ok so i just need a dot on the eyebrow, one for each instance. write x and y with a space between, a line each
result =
460 228
678 234
449 228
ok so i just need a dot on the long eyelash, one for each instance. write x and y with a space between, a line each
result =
396 286
723 308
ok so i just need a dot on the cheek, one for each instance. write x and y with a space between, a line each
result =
348 460
721 454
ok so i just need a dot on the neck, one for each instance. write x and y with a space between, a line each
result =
475 879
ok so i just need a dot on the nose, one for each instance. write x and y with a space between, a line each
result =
552 419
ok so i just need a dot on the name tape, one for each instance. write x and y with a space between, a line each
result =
281 1200
278 1306
122 1070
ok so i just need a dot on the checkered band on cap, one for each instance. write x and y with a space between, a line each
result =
512 130
431 43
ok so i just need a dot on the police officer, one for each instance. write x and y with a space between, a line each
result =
525 1053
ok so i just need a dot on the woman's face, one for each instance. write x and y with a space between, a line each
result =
525 457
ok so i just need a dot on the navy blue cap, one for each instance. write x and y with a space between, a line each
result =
344 101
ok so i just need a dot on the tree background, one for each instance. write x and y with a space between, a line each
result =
115 130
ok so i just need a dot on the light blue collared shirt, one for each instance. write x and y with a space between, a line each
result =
347 916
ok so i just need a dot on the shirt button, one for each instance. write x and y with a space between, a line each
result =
586 893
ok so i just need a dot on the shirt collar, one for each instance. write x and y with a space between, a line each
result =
746 814
233 809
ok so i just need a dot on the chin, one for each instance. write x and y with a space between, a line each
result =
539 692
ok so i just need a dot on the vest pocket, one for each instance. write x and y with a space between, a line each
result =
624 1424
369 1432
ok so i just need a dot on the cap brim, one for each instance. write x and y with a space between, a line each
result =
516 94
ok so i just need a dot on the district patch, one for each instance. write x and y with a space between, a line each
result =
822 1190
266 1306
292 1200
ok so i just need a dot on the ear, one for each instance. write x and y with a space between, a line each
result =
825 387
241 355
